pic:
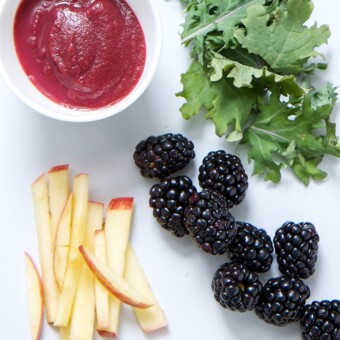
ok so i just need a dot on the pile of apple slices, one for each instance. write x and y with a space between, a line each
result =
88 266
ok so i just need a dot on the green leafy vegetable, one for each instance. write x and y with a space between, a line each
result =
283 134
221 100
251 74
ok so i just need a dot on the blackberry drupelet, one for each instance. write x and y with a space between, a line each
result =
224 173
161 156
281 300
296 247
169 198
321 320
209 222
235 287
252 246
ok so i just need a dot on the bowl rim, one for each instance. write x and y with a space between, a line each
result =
91 115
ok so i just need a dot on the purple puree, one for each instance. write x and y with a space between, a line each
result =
81 54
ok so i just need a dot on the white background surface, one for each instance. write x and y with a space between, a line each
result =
179 272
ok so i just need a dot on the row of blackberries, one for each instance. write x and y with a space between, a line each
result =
205 215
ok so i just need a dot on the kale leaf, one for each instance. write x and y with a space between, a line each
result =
251 74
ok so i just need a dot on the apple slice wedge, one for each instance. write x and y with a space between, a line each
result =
35 297
83 314
78 236
45 244
62 243
95 222
117 233
114 283
58 189
152 318
101 294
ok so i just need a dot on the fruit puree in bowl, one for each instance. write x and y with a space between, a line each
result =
80 54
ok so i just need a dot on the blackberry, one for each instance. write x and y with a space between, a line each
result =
296 247
281 300
252 246
235 287
209 222
224 173
161 156
169 198
321 320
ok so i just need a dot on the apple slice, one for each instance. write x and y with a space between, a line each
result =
117 234
62 243
95 222
152 318
45 243
83 313
35 297
101 294
58 188
64 332
79 213
78 236
114 283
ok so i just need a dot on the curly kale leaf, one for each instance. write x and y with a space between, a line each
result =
228 107
292 135
282 39
251 74
213 22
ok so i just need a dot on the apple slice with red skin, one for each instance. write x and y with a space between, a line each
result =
35 294
58 190
46 246
117 233
114 283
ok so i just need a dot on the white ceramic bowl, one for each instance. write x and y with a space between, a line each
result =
16 79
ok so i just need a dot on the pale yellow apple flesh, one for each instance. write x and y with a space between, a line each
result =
101 294
64 332
79 213
114 283
46 246
78 236
62 242
95 222
152 318
117 234
83 312
58 188
35 295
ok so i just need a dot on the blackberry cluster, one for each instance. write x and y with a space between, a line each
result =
161 156
209 221
205 216
321 320
281 300
169 198
224 173
252 246
235 287
296 246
